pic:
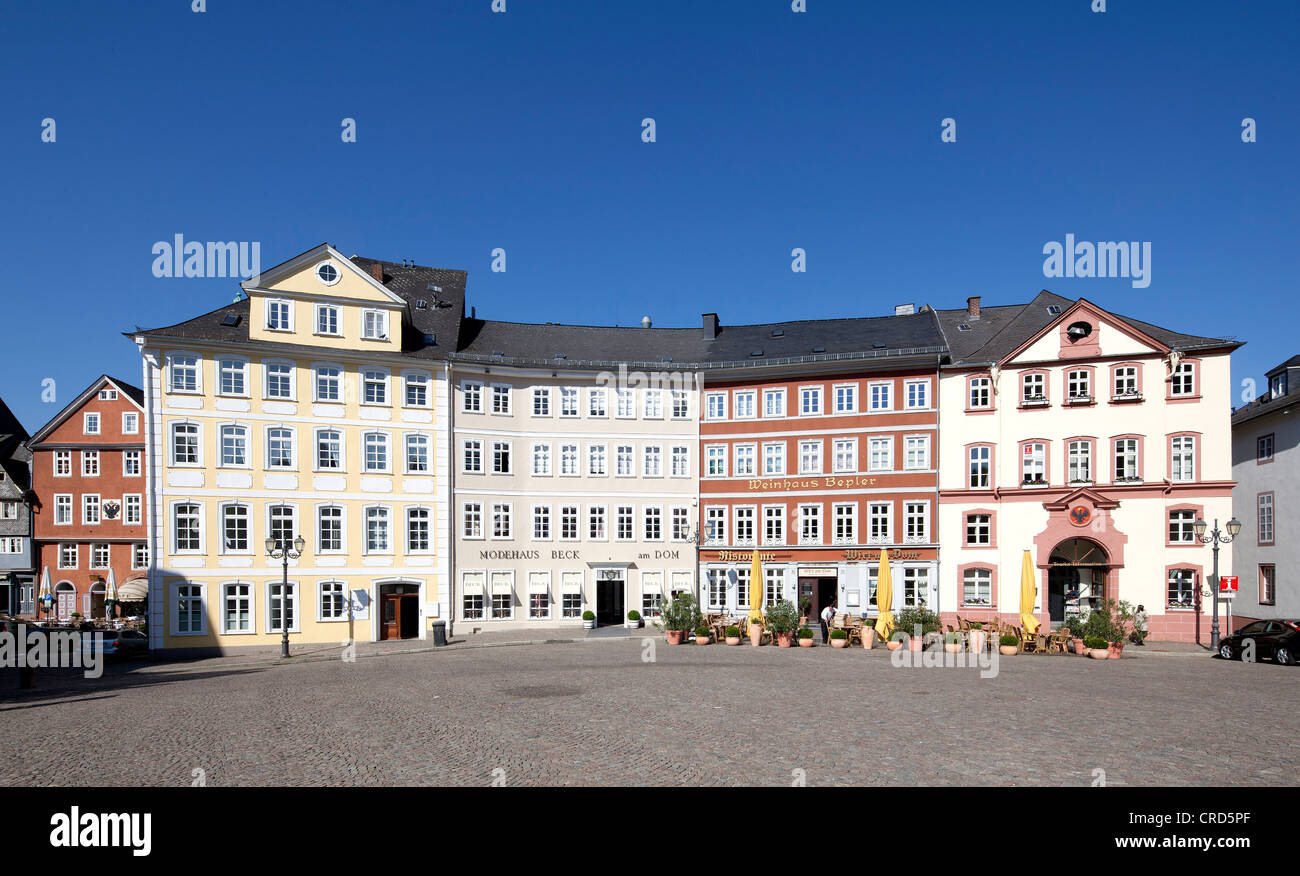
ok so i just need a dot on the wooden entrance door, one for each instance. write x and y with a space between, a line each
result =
66 604
390 617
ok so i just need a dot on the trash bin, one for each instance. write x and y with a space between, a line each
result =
439 633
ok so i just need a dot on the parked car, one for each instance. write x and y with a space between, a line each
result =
120 643
1278 639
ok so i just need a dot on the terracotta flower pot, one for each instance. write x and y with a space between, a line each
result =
674 636
1009 650
733 640
893 644
952 647
1099 653
839 643
869 638
703 640
805 643
978 639
1116 650
1078 647
755 635
915 643
784 640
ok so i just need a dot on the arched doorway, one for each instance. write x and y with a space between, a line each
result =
65 601
98 590
1077 571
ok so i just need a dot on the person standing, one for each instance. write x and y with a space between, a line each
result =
1139 625
828 615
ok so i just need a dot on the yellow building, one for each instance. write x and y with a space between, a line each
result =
315 406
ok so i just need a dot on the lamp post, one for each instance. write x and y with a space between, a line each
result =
1215 538
280 549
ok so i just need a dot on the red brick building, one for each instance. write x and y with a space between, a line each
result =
820 460
88 473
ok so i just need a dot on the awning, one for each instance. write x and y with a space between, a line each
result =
572 584
538 585
651 584
500 585
472 585
136 590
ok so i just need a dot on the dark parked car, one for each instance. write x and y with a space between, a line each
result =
1278 639
121 643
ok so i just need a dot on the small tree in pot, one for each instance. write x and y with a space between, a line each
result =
702 636
680 615
589 620
918 622
733 635
633 619
839 638
1009 645
782 619
805 637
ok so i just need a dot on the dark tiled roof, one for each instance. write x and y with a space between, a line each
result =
14 454
208 327
135 392
1293 362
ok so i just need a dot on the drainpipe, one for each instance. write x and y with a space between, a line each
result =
938 414
450 437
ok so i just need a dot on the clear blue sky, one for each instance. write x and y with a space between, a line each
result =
523 131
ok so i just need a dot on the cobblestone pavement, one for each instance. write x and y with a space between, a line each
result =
596 714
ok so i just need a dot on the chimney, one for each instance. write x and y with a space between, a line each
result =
377 271
973 307
904 309
710 325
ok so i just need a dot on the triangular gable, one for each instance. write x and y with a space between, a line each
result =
79 402
1112 336
1081 494
298 276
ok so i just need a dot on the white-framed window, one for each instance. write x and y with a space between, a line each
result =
63 463
652 517
916 522
717 588
185 447
569 523
653 457
131 463
881 396
232 377
90 423
845 523
183 373
237 607
1033 462
108 394
501 398
774 524
774 458
1033 387
471 397
279 380
597 402
502 520
280 448
378 520
282 523
625 404
472 519
810 457
681 523
187 528
1182 453
715 459
328 383
417 453
681 461
139 556
416 384
880 454
846 398
977 588
1126 459
281 607
810 524
374 386
374 450
568 401
746 460
624 525
597 460
810 401
130 423
541 523
1079 462
917 394
63 509
541 401
774 403
331 601
501 457
1078 384
773 585
596 523
845 455
329 450
419 530
1182 588
979 530
542 460
330 529
981 392
980 459
715 406
745 524
715 525
1264 506
916 587
90 509
539 595
374 325
472 586
745 404
68 556
568 459
279 315
188 617
472 456
1182 382
652 404
916 452
234 446
1264 448
236 535
1181 530
503 595
327 319
327 273
1126 381
681 402
879 518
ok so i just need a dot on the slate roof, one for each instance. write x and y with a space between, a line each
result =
14 455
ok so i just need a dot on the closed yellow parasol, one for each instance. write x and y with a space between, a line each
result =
884 597
756 590
1028 593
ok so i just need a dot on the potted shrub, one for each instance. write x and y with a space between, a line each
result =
702 635
680 615
977 637
917 622
1009 645
952 642
633 619
733 635
868 636
1097 648
805 637
782 619
839 639
805 606
755 633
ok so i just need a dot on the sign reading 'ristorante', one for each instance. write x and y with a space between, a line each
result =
811 483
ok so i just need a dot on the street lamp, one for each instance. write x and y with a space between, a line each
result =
1215 538
279 549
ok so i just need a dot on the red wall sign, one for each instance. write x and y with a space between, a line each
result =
1227 583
